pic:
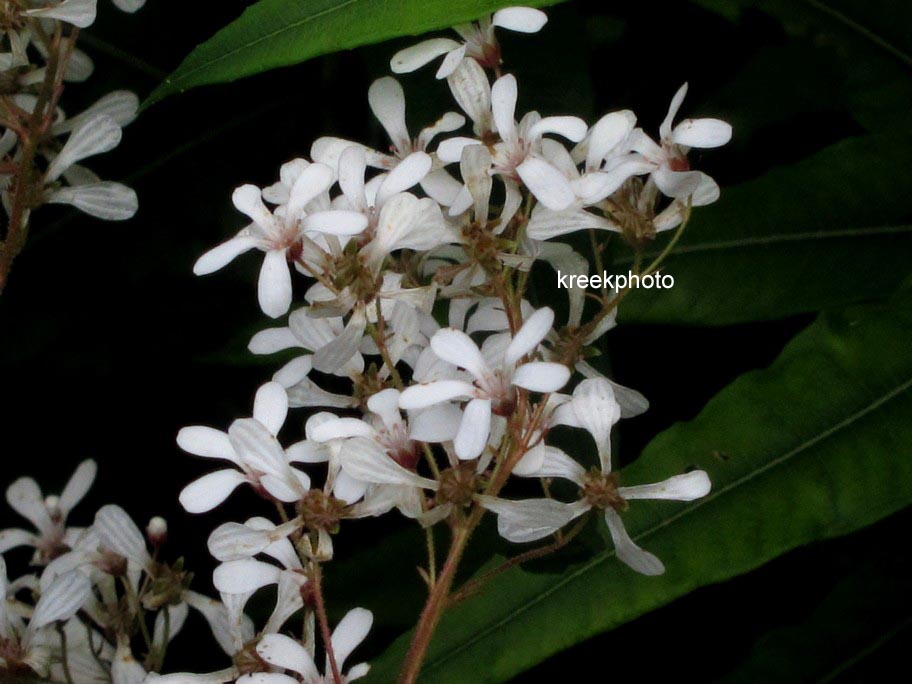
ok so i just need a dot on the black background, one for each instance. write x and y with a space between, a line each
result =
109 344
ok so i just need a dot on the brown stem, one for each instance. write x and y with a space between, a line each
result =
473 586
17 229
378 332
440 596
325 633
436 602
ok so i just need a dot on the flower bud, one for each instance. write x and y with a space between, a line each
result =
157 531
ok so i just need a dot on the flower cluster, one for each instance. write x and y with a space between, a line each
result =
41 147
97 594
432 381
433 385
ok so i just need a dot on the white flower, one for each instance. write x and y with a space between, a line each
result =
279 234
48 514
384 424
117 532
121 106
360 472
479 42
396 219
285 653
595 409
495 378
105 200
240 575
251 445
79 13
518 155
672 174
387 102
309 333
129 6
59 601
360 304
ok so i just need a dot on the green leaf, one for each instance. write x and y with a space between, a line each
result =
867 609
812 447
830 230
871 38
276 33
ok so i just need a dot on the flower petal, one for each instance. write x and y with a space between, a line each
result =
257 447
105 200
529 519
207 442
549 185
430 393
335 222
472 91
245 575
287 654
61 600
270 406
387 102
274 285
607 133
406 175
570 127
79 13
628 552
438 423
332 356
454 346
24 497
350 632
530 335
686 487
704 133
474 430
367 461
96 135
119 533
221 255
503 104
273 340
207 492
665 128
417 56
520 19
541 376
78 486
597 411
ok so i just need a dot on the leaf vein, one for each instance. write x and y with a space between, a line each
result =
696 248
607 555
260 39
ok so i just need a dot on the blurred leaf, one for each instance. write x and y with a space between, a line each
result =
809 448
828 231
276 33
872 37
779 85
869 607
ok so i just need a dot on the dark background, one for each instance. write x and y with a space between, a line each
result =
109 344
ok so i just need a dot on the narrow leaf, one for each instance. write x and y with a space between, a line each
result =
276 33
807 449
831 230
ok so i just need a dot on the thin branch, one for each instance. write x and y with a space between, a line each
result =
325 633
475 585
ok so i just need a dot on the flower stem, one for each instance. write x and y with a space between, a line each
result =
41 118
436 602
325 633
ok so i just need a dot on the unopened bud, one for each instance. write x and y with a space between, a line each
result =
157 531
52 504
